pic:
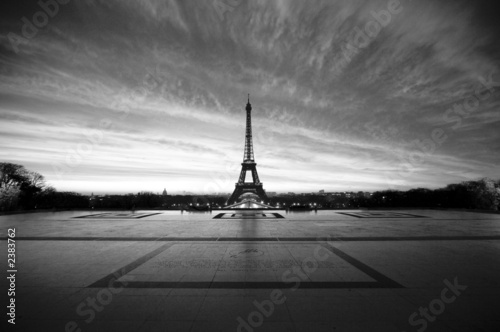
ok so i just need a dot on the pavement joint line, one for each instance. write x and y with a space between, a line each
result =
256 216
381 281
372 273
248 284
113 276
113 215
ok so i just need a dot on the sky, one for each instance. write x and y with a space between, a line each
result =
127 96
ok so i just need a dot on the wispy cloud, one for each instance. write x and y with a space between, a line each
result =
171 79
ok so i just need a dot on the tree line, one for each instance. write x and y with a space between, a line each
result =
22 189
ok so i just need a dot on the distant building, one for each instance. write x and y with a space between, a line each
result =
322 191
272 194
164 192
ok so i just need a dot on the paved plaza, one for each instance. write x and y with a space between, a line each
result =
355 270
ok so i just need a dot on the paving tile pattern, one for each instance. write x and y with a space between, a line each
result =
99 273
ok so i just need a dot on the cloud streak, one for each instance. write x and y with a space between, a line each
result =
171 78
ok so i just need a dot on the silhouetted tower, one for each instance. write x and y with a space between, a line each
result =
248 164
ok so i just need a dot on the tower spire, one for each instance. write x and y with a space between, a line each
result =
248 153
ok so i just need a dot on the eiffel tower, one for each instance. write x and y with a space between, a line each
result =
248 164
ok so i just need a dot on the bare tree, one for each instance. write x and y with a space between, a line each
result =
35 179
19 186
12 175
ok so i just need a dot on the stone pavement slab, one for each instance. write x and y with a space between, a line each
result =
358 270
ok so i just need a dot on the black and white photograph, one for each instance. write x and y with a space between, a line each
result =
250 165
